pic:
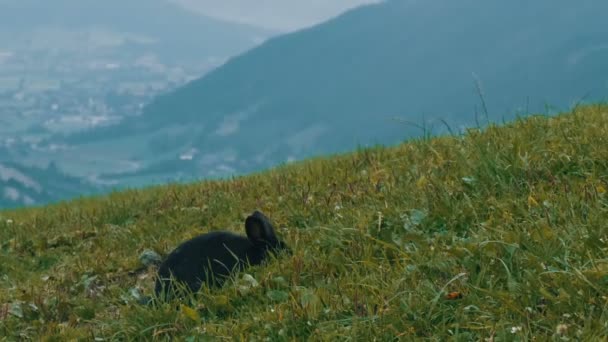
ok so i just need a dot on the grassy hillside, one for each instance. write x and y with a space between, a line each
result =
513 219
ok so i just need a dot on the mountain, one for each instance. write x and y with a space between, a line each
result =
165 28
408 57
74 65
342 83
27 186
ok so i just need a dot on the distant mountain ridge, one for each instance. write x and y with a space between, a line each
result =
68 65
27 186
392 54
334 86
144 22
123 15
377 74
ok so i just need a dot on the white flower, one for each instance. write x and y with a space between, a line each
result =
515 330
561 329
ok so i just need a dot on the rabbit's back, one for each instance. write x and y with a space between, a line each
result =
207 258
210 258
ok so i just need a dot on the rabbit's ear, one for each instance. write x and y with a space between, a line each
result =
259 229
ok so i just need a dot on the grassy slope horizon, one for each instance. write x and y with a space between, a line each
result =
513 218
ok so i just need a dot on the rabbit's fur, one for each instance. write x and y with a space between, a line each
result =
211 258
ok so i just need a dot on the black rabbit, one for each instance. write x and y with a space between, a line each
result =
211 258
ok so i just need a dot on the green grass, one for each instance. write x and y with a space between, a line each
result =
513 218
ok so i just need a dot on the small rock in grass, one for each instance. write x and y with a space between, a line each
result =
136 295
150 257
245 284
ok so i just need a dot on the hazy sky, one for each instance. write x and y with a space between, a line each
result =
275 14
